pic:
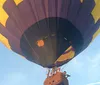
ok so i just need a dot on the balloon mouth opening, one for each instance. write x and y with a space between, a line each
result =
51 42
40 43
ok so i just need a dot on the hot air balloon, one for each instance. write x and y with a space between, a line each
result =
49 32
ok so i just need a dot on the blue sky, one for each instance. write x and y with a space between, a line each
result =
84 69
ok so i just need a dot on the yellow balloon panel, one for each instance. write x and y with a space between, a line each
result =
3 15
17 2
81 1
96 11
96 33
69 54
5 41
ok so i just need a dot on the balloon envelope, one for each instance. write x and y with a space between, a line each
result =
49 32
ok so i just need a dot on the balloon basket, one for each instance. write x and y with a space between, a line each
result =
57 78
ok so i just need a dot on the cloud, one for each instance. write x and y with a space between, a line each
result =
95 56
94 62
93 67
77 64
73 66
14 78
97 83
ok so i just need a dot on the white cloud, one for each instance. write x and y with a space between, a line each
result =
97 83
93 67
94 62
13 79
73 66
77 64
